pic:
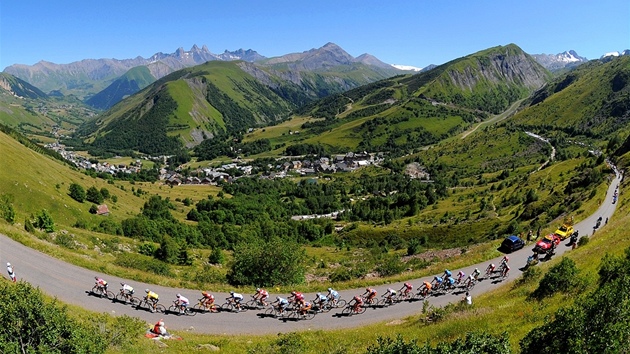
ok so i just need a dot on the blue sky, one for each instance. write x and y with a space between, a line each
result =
417 32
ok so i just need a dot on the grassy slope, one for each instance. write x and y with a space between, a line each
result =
582 105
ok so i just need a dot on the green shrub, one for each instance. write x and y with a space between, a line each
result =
276 262
81 224
216 256
66 241
209 275
141 262
45 221
390 265
32 324
93 209
28 226
563 277
147 249
583 241
77 192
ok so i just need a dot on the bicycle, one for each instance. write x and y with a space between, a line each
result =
321 306
145 304
254 304
297 315
201 306
102 292
230 306
349 310
387 300
177 309
371 302
336 304
275 312
126 297
470 284
422 294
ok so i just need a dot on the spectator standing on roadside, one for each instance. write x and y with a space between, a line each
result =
529 235
11 272
467 299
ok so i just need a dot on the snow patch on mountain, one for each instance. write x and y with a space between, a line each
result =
406 67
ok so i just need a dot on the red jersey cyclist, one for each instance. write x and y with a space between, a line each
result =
406 289
261 295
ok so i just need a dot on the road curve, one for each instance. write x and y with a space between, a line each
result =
70 283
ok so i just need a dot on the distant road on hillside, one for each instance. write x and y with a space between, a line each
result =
70 284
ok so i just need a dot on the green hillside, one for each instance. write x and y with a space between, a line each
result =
131 82
592 103
186 107
404 113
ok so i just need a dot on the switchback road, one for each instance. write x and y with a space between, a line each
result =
70 284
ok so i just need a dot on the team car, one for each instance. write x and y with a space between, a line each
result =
545 244
512 243
564 231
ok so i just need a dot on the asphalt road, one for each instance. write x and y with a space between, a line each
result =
70 284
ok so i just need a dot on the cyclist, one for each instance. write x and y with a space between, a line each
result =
449 283
296 297
281 304
261 295
426 288
389 294
505 271
471 280
320 300
490 268
126 290
101 284
152 297
305 306
182 303
504 262
406 288
475 273
437 282
371 294
207 300
447 274
356 303
236 299
333 296
460 276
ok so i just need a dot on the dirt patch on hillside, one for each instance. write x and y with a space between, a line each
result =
434 254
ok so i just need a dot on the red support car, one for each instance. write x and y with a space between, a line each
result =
544 245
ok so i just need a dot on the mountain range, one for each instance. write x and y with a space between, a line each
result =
88 78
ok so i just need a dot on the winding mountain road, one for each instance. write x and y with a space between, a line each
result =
70 284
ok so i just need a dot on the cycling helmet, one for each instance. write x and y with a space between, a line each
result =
231 293
9 264
146 290
319 294
368 289
477 270
278 298
506 258
293 293
257 289
122 284
179 295
95 278
329 289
